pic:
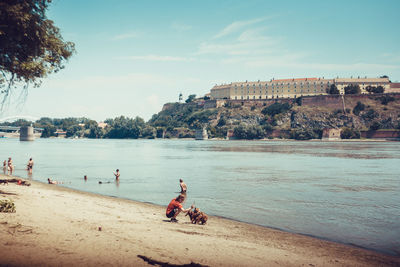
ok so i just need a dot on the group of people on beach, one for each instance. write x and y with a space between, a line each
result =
9 167
173 208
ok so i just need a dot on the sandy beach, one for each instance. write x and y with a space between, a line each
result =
57 226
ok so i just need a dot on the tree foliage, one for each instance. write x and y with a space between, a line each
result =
352 89
376 90
332 90
249 132
276 108
349 133
31 46
375 125
370 114
122 127
385 99
305 134
358 107
190 98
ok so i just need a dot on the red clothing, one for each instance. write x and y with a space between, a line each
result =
174 204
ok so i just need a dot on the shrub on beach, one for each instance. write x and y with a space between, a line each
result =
7 206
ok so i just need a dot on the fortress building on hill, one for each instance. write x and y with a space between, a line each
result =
291 88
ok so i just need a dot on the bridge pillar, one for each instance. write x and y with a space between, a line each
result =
26 133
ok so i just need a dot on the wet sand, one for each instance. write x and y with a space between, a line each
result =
57 226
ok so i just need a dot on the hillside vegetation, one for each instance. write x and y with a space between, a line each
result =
291 119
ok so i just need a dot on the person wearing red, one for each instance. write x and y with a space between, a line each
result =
175 207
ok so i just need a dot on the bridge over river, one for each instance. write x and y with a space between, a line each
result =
24 133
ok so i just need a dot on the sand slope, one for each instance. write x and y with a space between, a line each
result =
56 226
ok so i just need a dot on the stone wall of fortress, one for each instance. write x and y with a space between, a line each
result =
330 101
381 134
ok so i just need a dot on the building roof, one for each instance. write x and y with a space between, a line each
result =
364 79
394 85
102 125
295 79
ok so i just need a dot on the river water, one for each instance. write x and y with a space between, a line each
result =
347 192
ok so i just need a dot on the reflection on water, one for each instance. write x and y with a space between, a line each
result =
342 191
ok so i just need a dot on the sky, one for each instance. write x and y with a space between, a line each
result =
134 56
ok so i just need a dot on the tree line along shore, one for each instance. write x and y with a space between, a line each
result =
241 119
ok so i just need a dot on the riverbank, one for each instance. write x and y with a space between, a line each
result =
54 225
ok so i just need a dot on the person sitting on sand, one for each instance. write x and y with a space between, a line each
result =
183 186
117 174
52 181
175 207
29 166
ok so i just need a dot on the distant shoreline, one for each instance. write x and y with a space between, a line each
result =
8 135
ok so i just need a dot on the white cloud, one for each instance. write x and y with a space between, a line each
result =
158 58
236 26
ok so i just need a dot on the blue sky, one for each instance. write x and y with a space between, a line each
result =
134 56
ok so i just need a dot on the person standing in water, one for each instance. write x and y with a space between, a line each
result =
117 174
30 165
4 166
183 186
10 166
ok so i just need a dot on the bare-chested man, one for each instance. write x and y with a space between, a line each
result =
183 186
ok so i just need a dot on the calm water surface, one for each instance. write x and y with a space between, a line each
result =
347 192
